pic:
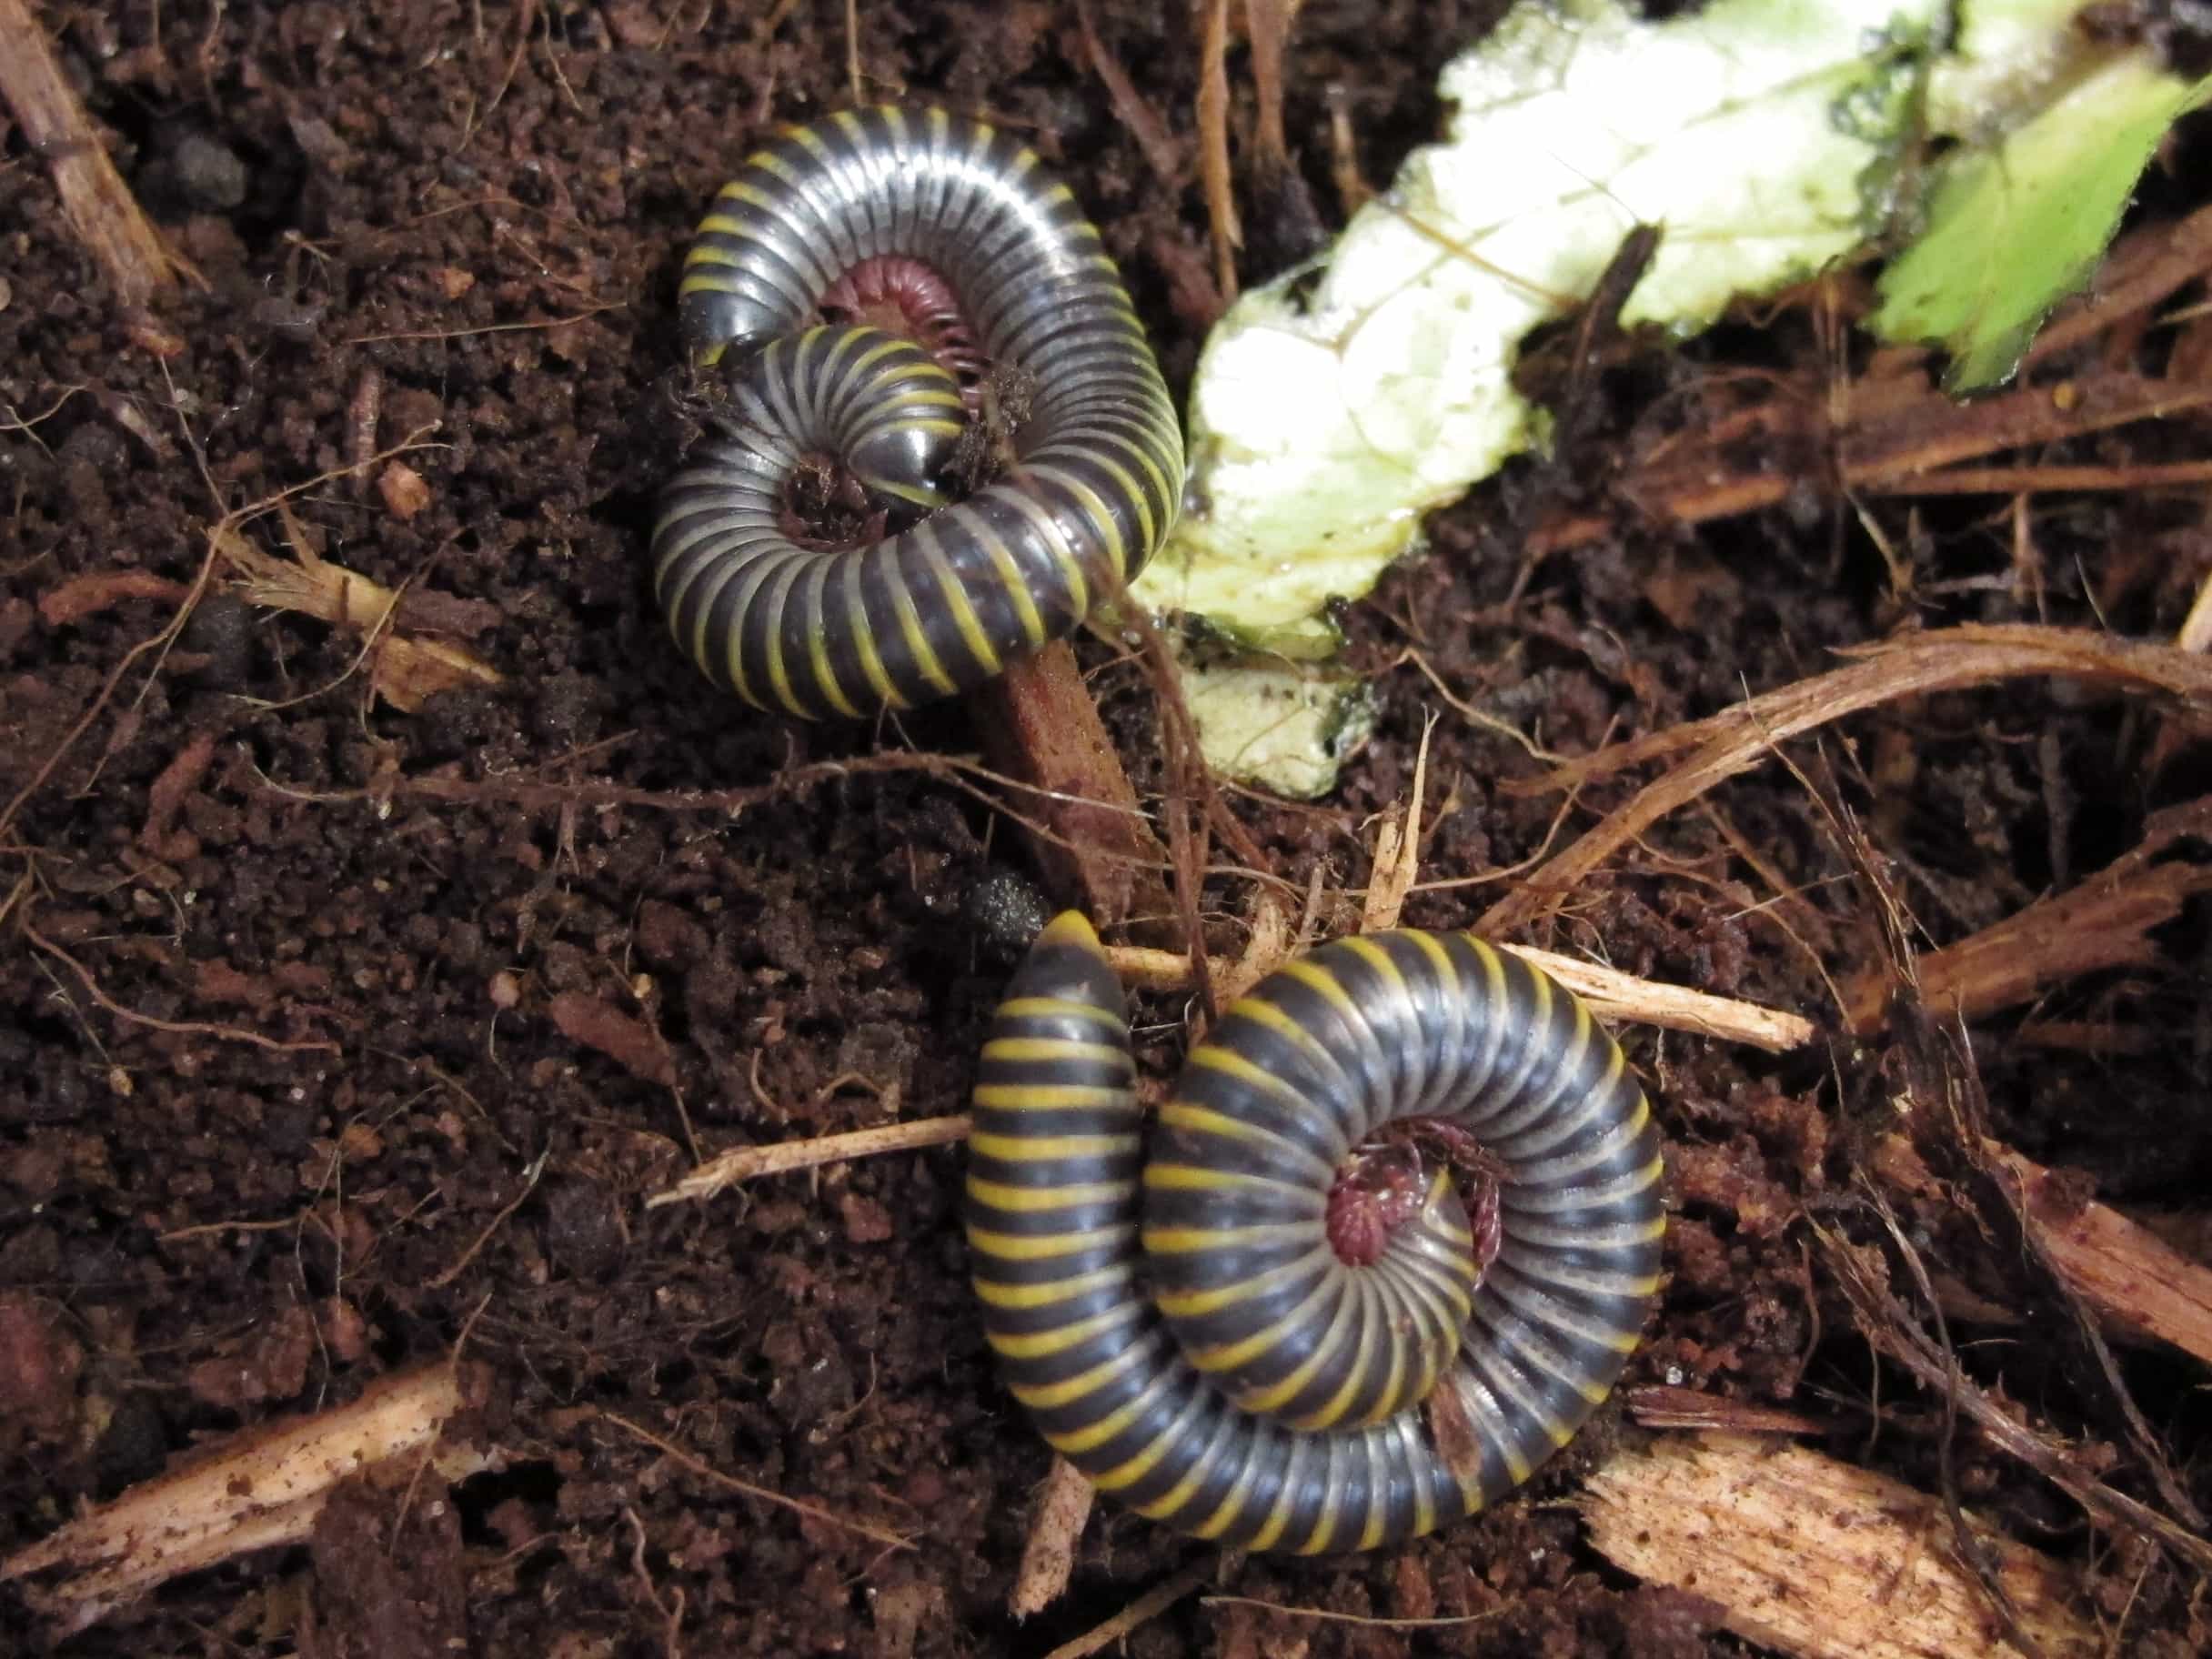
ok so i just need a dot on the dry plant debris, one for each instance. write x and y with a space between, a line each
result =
261 1488
137 263
2103 922
1728 744
403 670
1818 1558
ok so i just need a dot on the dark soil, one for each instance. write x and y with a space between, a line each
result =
289 1145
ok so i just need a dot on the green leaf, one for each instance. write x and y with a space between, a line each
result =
2013 229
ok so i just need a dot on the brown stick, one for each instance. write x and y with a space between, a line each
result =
2123 1270
258 1489
1040 726
1815 1557
2104 922
100 209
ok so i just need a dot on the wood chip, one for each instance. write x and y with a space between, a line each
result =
1817 1558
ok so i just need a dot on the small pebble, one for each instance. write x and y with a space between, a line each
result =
403 490
1007 912
506 989
209 174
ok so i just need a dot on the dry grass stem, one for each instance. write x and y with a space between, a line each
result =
1397 854
405 672
751 1163
1816 1558
256 1490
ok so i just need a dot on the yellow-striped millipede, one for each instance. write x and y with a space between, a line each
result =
951 232
1186 1329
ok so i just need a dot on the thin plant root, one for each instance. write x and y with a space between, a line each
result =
1145 1608
749 1163
252 1492
1817 1558
1731 743
743 1488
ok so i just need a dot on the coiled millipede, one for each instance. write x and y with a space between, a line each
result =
951 231
1218 1364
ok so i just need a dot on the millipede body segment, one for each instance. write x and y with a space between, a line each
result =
945 603
1178 1325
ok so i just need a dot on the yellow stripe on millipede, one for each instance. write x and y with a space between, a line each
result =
954 593
1192 1304
1009 578
1195 1178
1021 1298
1054 1048
1090 1437
1232 1356
1228 1062
1042 1149
1188 1241
917 638
1046 1097
1033 1200
1041 1008
1019 1247
818 645
1135 1467
1053 1396
1205 1120
864 640
1231 1508
1044 1345
1260 1012
1268 1400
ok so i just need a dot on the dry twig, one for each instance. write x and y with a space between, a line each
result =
1040 728
100 207
256 1490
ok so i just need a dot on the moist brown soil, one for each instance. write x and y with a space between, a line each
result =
370 1074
